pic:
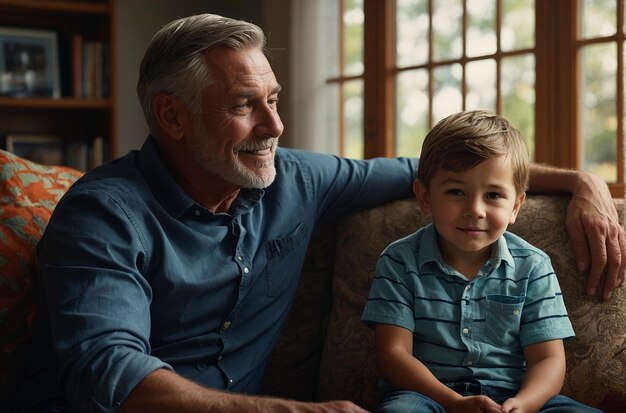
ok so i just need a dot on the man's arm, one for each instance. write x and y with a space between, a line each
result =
165 391
592 223
544 377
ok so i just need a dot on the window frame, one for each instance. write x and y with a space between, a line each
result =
557 130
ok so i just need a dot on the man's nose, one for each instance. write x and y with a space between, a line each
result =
269 124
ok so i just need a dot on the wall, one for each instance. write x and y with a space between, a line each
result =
136 21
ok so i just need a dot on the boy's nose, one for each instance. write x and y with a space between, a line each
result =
475 208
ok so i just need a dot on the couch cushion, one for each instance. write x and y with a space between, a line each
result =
596 358
28 194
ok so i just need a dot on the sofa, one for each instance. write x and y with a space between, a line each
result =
324 352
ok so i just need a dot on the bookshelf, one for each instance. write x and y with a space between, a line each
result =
82 111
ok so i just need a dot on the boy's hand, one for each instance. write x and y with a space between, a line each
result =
512 406
473 404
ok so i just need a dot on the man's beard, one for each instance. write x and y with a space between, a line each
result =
232 169
240 175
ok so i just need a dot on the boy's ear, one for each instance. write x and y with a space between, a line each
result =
421 194
518 204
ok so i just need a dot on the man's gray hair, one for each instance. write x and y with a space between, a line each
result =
175 61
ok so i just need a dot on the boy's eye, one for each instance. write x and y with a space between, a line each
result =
493 195
454 192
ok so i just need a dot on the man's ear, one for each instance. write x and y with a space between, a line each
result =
518 205
421 194
170 114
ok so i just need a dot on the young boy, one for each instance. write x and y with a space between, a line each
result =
469 317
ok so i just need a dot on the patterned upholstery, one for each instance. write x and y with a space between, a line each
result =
596 358
28 194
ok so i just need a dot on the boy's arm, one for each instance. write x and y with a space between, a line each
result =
397 365
544 377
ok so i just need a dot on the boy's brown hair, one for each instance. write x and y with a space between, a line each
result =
465 139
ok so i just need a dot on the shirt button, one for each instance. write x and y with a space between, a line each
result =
246 270
230 381
469 362
220 357
240 258
466 331
226 325
196 213
516 312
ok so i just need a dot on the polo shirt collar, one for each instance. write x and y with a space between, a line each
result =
429 251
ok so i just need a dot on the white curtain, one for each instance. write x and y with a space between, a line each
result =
312 59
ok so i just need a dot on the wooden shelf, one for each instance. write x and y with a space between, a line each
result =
81 26
50 103
59 6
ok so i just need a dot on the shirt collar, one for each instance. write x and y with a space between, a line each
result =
429 251
171 195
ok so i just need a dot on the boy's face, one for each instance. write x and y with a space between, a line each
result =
471 209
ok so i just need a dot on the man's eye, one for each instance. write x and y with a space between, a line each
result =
454 192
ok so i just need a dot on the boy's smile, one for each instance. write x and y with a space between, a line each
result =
471 210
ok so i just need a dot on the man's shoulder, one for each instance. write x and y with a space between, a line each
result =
117 177
290 155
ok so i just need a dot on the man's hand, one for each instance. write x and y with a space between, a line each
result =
596 234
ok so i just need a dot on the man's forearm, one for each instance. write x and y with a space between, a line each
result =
164 391
549 179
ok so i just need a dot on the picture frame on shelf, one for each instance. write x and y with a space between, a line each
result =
29 63
42 149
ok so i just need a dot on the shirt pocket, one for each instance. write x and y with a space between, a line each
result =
503 314
280 261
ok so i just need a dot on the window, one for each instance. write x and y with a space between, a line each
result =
553 68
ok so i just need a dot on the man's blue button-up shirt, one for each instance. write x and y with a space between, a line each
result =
138 276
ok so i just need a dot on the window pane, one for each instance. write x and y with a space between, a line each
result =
412 32
598 17
447 98
481 27
480 78
518 24
353 18
447 36
353 119
518 96
598 112
412 115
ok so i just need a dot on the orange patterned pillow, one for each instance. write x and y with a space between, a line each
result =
28 194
